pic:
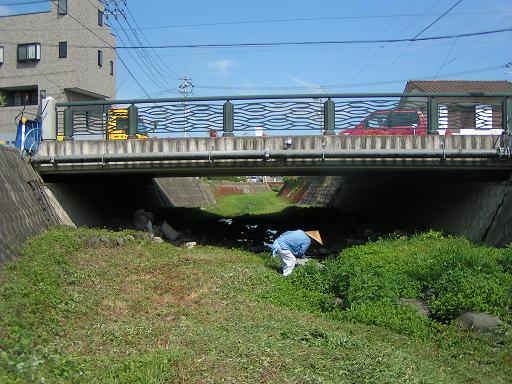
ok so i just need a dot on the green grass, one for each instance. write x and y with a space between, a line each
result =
153 313
251 204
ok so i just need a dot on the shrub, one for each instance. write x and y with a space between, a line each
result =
460 290
450 274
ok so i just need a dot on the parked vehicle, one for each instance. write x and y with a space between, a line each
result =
117 125
391 122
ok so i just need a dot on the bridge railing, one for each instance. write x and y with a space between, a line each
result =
302 114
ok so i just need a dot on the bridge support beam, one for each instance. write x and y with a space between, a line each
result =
68 124
329 117
228 119
133 117
433 115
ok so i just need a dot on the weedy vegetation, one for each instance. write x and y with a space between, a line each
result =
250 204
75 311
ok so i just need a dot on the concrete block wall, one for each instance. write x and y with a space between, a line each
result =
21 211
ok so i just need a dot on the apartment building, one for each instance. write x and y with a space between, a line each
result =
66 53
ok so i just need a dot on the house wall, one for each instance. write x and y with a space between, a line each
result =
79 70
461 110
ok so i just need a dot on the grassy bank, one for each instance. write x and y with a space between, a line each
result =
251 204
77 311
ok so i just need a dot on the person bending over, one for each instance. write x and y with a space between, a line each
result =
291 245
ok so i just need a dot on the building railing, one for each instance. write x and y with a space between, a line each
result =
300 114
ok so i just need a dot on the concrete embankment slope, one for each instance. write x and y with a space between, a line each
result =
481 210
184 192
314 190
26 205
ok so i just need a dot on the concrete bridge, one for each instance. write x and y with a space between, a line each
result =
278 134
290 155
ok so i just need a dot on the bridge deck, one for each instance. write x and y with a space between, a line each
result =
271 155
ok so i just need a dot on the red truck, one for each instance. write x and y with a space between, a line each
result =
391 122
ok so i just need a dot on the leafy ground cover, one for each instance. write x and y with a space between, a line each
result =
254 204
77 311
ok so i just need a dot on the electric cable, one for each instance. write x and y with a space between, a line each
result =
147 69
108 46
145 37
418 36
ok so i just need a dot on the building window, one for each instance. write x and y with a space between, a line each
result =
16 98
100 58
63 49
483 116
1 55
29 52
111 68
62 7
100 18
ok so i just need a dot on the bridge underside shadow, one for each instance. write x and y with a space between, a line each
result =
474 203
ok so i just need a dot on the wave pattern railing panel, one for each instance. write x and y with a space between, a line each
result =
289 115
279 116
180 118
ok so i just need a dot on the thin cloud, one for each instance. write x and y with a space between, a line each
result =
312 86
222 67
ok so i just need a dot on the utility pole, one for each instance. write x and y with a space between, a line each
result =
186 89
321 101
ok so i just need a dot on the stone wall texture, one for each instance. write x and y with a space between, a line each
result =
24 208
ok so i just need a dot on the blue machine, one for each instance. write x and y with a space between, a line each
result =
32 135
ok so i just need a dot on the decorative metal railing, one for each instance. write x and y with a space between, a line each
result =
308 114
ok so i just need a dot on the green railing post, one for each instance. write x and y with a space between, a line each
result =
507 115
329 117
133 117
433 115
229 119
68 124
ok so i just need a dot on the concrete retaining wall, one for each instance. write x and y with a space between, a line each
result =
98 203
315 190
481 211
231 188
26 208
184 191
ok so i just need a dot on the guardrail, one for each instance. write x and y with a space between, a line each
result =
311 114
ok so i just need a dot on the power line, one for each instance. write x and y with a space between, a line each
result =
269 21
376 52
445 61
326 42
417 36
158 72
291 43
439 18
355 17
355 85
145 37
109 46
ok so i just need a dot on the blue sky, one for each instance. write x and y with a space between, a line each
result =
382 67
